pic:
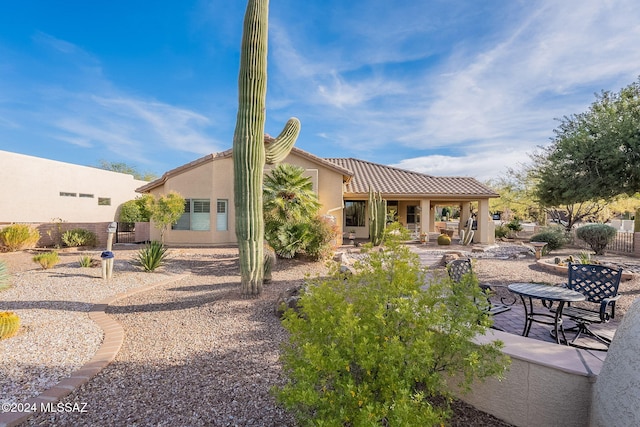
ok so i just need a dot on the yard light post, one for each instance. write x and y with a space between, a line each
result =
107 256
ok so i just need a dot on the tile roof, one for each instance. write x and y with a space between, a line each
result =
401 182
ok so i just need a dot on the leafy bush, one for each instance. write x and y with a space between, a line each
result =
288 239
129 211
4 276
597 236
322 238
47 259
151 256
16 237
373 348
501 231
79 237
554 236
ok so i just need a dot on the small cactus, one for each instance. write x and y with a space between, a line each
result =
377 217
9 324
444 240
4 276
269 262
466 236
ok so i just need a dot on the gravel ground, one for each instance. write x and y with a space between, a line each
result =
195 353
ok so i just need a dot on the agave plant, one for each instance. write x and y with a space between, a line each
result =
151 256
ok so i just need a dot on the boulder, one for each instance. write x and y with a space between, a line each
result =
615 396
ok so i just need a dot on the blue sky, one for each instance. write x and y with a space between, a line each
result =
441 87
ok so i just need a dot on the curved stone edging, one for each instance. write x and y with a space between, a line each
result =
111 344
562 269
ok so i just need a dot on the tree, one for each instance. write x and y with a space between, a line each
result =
595 154
250 150
516 198
565 213
166 210
125 168
136 210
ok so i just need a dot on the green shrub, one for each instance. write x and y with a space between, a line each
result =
554 236
373 348
288 239
597 236
322 237
16 237
79 237
501 231
47 259
514 225
4 276
151 256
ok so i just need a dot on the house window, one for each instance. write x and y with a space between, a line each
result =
65 194
222 215
104 201
195 216
354 213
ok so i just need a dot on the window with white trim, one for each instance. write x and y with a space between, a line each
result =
222 215
196 216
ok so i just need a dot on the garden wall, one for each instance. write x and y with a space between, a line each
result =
547 384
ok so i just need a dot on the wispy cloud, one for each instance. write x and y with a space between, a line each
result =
495 95
86 110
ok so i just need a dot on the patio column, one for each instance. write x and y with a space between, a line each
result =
426 216
464 215
482 234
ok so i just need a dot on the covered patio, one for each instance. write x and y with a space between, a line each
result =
412 198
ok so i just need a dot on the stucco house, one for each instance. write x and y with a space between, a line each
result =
37 190
342 185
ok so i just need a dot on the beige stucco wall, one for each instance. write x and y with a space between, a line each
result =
214 180
31 189
547 384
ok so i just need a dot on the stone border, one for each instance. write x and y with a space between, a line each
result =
563 269
111 344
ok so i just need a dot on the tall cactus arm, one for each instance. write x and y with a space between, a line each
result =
276 150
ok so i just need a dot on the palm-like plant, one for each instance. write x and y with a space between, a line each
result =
289 204
288 195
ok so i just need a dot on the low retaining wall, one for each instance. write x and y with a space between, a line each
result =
547 384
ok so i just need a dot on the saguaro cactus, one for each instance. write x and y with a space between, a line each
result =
250 147
377 217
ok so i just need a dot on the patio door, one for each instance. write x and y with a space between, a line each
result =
413 218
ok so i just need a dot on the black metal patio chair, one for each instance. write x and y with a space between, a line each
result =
599 284
458 268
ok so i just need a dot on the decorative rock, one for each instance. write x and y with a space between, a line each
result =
615 398
288 299
448 257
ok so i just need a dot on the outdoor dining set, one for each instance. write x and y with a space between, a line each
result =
587 298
